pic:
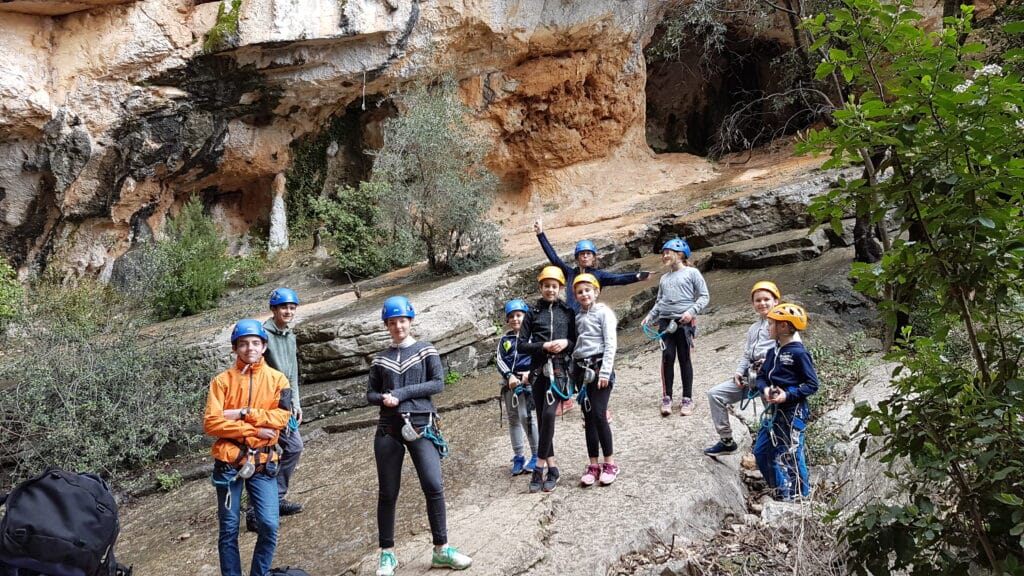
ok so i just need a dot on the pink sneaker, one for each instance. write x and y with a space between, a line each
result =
590 476
666 405
686 407
609 472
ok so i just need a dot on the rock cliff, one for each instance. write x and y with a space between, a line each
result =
112 113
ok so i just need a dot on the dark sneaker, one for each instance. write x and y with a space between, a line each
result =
537 481
552 479
723 447
518 465
288 508
250 520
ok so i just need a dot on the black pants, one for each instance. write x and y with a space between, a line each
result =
595 414
389 451
677 345
546 410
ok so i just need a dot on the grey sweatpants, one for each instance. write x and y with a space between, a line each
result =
719 399
521 423
291 449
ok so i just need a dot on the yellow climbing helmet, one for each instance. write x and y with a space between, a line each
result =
791 313
553 273
768 286
588 278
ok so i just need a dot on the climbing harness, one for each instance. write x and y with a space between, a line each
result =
589 375
653 334
553 389
431 432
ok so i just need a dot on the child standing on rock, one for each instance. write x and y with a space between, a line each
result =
516 389
763 297
548 336
402 380
682 294
786 379
593 368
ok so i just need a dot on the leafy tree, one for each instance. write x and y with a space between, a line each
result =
939 133
436 185
190 266
363 243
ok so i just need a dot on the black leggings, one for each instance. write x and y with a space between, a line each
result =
546 411
677 344
595 418
389 452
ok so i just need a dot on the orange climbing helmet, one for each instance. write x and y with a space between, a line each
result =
552 273
767 286
588 278
791 313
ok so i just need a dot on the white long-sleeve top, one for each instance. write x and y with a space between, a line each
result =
595 329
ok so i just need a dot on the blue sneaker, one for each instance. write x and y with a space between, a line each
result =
722 448
518 463
531 465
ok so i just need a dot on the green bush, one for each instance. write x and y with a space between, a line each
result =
362 242
191 265
434 180
12 295
83 390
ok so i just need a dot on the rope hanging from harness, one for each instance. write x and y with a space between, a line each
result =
553 388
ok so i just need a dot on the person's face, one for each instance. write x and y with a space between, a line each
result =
586 294
249 349
586 259
549 289
283 314
670 257
778 328
763 301
515 320
398 328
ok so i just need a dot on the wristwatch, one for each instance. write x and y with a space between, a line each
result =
244 413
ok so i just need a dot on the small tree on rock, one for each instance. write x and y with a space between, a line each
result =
431 166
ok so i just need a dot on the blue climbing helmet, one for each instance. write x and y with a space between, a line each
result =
517 305
283 296
677 245
397 306
248 327
585 246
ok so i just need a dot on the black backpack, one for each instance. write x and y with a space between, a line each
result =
288 571
61 524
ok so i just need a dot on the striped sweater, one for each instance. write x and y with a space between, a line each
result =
411 372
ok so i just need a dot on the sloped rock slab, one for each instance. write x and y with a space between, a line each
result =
779 248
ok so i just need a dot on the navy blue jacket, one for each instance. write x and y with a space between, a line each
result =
508 358
605 278
791 369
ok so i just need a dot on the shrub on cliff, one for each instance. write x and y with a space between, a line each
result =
11 295
84 391
190 266
434 181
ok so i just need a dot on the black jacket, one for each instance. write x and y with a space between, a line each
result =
546 321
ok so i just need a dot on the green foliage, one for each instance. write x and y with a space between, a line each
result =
839 369
950 128
247 271
363 244
224 33
437 187
307 174
85 391
190 266
452 377
169 482
12 295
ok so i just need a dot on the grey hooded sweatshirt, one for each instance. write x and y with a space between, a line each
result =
595 329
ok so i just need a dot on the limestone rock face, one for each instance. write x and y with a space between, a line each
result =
113 112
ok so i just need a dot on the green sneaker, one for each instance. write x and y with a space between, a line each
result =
449 557
387 564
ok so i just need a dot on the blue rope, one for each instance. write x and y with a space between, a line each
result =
433 433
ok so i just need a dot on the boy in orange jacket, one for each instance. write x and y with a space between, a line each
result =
246 409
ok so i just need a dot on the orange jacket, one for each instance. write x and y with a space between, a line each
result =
264 391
